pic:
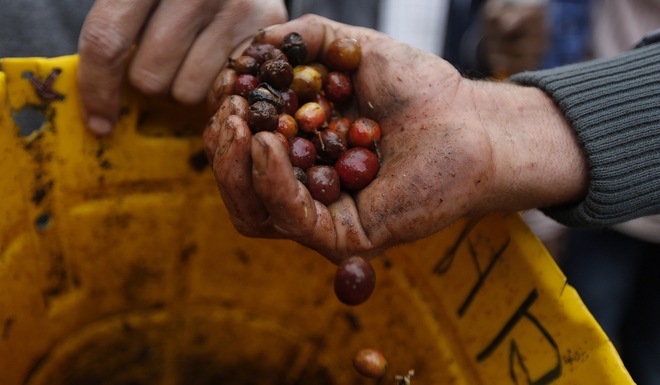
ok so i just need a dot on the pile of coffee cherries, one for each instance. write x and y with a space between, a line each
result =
302 105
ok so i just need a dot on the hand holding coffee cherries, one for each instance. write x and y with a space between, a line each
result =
449 147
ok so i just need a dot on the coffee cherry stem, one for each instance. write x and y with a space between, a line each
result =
318 135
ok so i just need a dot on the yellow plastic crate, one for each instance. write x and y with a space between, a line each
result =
118 265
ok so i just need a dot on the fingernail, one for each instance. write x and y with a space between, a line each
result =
259 156
262 33
271 27
99 125
225 138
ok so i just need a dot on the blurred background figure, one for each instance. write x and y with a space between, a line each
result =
451 29
41 27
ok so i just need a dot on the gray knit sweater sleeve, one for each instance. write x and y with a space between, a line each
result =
614 107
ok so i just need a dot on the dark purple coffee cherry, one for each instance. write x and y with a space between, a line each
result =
355 280
295 48
302 152
323 184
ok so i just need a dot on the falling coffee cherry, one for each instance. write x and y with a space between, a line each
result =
355 280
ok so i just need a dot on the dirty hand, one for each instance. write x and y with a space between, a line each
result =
515 36
444 154
181 46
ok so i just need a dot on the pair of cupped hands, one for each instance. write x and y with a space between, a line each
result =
451 147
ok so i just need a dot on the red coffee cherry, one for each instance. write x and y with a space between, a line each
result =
323 184
340 126
357 167
290 101
302 153
363 132
244 84
370 363
355 280
338 87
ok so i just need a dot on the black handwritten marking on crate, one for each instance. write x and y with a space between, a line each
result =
45 88
522 312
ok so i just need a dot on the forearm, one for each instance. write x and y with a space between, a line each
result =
538 159
612 105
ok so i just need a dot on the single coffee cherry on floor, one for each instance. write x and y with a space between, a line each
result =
343 54
355 280
357 167
323 184
370 363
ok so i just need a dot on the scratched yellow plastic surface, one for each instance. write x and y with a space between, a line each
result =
118 265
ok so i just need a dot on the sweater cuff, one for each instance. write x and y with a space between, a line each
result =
614 107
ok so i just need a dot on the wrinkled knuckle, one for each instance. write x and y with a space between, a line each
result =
311 18
102 42
147 81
